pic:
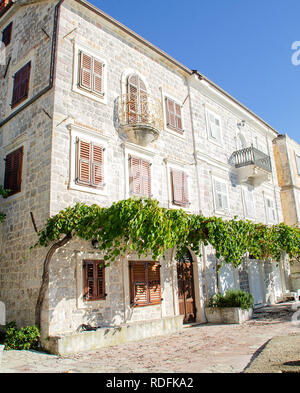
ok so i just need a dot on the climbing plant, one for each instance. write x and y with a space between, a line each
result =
143 227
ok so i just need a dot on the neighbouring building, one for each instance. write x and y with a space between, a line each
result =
287 159
91 112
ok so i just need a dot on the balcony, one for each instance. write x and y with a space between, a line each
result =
141 120
252 165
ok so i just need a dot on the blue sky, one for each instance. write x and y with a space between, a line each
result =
244 46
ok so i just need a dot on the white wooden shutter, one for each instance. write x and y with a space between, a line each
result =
271 214
221 197
214 126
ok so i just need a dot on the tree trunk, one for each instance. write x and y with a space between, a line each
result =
45 277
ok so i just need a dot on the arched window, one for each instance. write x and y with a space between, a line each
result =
137 100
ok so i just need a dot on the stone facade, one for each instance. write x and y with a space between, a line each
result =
48 128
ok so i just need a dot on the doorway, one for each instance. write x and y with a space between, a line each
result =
186 292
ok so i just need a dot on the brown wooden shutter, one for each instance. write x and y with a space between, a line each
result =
132 94
85 71
178 117
6 34
94 280
83 162
145 287
180 188
140 177
21 85
13 171
98 77
154 286
173 110
97 166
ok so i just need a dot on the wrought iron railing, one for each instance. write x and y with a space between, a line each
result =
144 110
252 156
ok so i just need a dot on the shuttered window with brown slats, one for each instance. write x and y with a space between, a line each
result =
91 74
140 177
174 118
13 171
6 34
89 164
137 100
94 280
21 85
180 195
145 287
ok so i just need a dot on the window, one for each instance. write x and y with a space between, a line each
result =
89 164
6 34
249 202
91 74
137 100
94 280
179 186
13 171
298 164
173 114
214 127
21 85
221 196
145 287
271 214
140 177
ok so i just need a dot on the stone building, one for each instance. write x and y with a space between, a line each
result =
91 112
287 159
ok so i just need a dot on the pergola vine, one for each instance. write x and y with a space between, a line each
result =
143 227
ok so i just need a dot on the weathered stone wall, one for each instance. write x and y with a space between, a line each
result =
20 267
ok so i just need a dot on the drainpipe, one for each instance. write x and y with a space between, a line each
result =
52 67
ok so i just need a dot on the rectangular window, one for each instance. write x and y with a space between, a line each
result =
174 118
271 214
214 126
6 34
249 202
221 196
180 195
145 287
21 85
13 171
89 164
91 74
140 177
298 164
94 280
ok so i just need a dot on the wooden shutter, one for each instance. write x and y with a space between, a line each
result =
94 280
140 177
145 287
221 195
85 71
13 171
6 34
21 84
179 188
154 286
83 175
132 103
173 110
214 126
98 77
97 166
271 211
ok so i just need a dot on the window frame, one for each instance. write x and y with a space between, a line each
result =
16 102
95 263
171 130
223 182
209 112
145 282
77 49
141 160
90 136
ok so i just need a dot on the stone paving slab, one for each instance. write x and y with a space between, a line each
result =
202 348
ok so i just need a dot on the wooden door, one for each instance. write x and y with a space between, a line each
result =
186 293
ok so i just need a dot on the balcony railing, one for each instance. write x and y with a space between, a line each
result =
252 156
141 118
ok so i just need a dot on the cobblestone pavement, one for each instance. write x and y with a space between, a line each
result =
202 348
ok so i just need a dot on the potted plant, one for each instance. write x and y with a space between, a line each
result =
233 307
